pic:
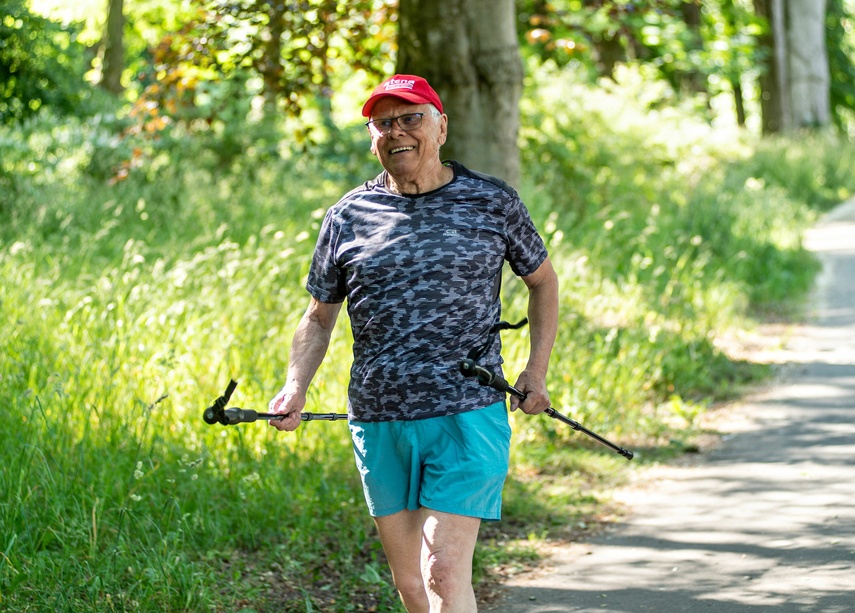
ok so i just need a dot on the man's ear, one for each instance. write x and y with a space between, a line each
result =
443 129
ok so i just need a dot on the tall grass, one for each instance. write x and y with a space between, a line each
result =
127 306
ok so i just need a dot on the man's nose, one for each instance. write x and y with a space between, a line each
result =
396 128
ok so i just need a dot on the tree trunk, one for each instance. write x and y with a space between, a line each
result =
468 51
807 57
114 48
771 87
795 84
608 51
692 80
779 58
271 65
739 101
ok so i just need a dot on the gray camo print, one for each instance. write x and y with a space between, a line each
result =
421 276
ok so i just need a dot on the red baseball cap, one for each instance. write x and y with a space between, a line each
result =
406 87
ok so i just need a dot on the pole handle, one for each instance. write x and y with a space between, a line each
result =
236 415
485 376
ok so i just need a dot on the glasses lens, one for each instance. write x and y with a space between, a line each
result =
410 121
382 125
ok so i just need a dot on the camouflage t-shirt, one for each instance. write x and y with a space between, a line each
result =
421 275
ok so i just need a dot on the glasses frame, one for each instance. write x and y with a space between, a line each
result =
372 125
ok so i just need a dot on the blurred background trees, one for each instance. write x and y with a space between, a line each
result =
227 64
769 53
783 65
42 64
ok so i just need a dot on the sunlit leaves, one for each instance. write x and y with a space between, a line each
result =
840 37
690 43
295 48
41 64
237 65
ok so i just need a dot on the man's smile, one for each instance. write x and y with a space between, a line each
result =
400 149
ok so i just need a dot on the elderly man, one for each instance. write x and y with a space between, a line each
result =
418 253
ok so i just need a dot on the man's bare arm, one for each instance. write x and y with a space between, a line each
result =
543 321
310 344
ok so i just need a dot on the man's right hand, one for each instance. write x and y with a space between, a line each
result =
289 405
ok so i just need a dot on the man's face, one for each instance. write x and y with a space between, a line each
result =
407 153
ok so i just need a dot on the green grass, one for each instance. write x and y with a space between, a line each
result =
127 306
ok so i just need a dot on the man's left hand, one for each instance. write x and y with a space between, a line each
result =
537 397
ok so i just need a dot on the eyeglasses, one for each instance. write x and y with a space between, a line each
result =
407 122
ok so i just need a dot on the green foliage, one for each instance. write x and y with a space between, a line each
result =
679 209
41 65
677 37
815 169
701 49
293 44
145 267
288 56
840 43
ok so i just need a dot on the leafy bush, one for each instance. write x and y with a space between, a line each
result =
41 65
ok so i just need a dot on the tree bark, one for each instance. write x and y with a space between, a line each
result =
271 66
468 51
114 48
771 87
609 51
807 56
779 58
693 80
739 101
795 84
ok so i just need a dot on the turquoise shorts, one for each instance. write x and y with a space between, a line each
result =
454 464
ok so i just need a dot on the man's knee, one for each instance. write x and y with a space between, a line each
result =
411 587
447 574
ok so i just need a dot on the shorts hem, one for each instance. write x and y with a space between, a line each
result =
387 511
483 514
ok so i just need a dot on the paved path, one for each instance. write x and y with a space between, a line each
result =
766 522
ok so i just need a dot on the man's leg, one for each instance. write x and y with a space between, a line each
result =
447 551
401 536
430 554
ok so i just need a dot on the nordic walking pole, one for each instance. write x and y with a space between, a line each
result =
469 368
218 413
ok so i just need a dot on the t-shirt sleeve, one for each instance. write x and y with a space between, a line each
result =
326 280
526 250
